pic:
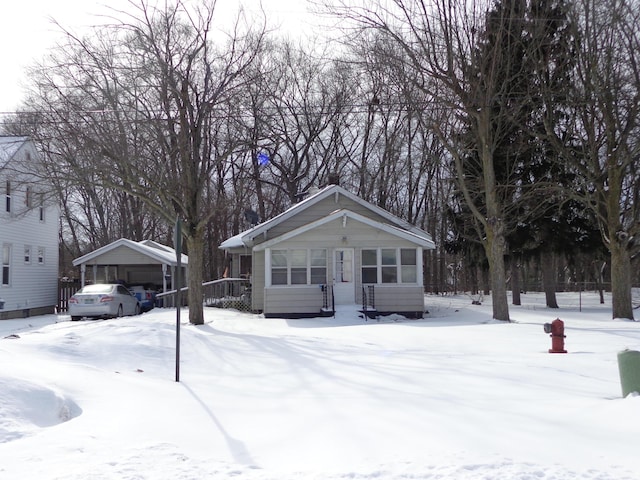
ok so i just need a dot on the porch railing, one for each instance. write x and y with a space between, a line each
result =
369 301
222 293
328 304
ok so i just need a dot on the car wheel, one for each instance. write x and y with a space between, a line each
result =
137 309
75 318
119 311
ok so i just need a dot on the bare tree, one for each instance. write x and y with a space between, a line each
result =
149 99
600 139
465 57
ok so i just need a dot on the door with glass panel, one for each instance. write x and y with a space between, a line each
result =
344 291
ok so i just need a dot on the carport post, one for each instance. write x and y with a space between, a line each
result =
177 241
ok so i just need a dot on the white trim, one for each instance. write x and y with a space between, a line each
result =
398 232
246 238
158 252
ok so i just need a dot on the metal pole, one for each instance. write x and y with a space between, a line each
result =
177 240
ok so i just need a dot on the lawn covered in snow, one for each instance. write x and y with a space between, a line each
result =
452 396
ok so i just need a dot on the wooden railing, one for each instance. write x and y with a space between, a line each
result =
222 293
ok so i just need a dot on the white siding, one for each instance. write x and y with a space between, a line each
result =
308 299
32 285
283 300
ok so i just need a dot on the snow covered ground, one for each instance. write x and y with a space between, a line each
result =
452 396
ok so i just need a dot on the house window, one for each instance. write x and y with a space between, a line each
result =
389 268
299 267
318 266
6 264
409 265
369 266
279 267
41 207
40 255
28 197
245 266
27 254
7 196
389 265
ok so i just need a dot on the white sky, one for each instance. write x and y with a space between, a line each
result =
27 32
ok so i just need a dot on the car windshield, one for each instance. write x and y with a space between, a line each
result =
96 289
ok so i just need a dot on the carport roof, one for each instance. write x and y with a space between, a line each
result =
156 251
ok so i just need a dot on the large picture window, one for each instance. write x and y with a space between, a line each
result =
389 265
299 267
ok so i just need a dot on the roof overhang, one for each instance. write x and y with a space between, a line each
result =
156 251
245 239
420 240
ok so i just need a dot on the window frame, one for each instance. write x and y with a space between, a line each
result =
7 196
296 268
389 267
5 274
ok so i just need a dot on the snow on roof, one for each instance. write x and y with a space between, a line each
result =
245 238
9 145
157 251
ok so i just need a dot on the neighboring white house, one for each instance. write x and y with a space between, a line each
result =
28 233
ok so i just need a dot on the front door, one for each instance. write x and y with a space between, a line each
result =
344 290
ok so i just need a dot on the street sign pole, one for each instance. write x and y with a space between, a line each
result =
177 242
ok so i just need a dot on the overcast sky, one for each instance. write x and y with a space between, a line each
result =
27 31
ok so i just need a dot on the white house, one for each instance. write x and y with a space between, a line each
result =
28 233
331 250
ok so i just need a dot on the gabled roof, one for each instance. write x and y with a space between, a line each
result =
160 253
422 240
245 239
9 145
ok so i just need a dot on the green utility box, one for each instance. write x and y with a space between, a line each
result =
629 365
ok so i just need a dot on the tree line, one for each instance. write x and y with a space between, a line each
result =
506 129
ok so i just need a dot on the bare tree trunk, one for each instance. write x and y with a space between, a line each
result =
195 248
515 281
622 306
549 278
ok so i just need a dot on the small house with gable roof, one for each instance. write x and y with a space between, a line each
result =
331 250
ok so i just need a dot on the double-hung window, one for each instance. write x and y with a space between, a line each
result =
389 265
6 264
299 267
7 196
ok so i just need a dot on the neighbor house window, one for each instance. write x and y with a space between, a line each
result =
41 255
28 197
6 264
299 267
27 254
389 265
41 207
7 196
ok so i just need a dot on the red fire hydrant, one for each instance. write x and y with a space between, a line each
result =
556 329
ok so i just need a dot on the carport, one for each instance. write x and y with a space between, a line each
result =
136 263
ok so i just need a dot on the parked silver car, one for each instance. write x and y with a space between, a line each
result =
103 300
